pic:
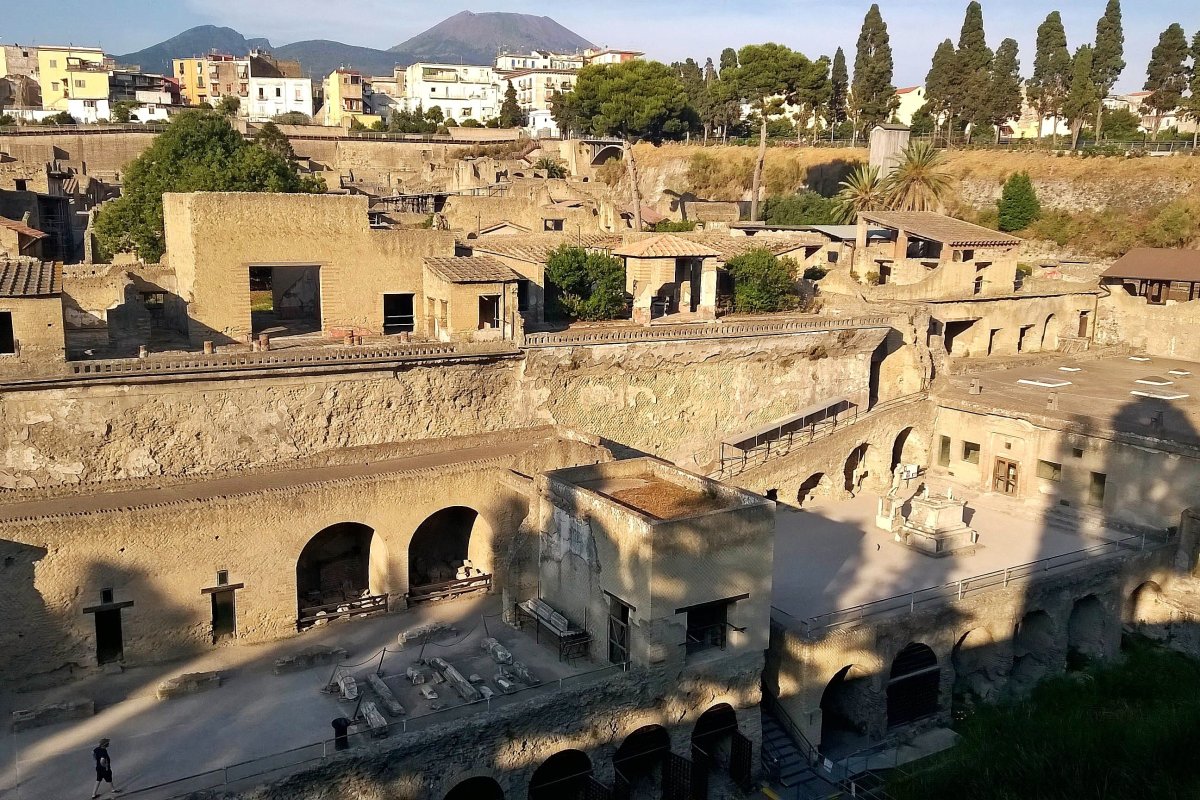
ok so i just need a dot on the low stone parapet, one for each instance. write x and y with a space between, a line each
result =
52 713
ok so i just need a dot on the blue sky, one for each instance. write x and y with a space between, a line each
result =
658 27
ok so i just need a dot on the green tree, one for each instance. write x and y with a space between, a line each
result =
553 167
1191 104
121 111
973 69
1166 74
199 152
839 92
1018 205
435 115
762 282
292 118
922 122
862 190
1083 99
939 85
1004 88
874 95
61 118
1047 86
1108 55
273 140
920 181
229 105
692 79
585 285
805 208
768 77
729 60
511 113
7 120
637 100
1121 124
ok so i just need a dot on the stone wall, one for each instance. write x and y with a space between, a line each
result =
1168 330
95 153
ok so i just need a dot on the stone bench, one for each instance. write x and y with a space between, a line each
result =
308 657
386 696
191 683
52 713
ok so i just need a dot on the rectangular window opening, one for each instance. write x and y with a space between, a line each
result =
970 452
1049 471
399 315
944 451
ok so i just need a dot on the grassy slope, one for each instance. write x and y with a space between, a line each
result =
1121 731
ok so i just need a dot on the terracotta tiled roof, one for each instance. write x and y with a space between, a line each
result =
22 228
650 216
731 246
940 228
537 247
472 269
666 245
1158 264
28 277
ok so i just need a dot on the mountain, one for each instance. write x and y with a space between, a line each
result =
478 38
192 42
465 38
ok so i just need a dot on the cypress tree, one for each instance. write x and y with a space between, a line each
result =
1108 56
511 114
839 86
974 63
1166 75
1191 105
1083 97
939 84
1047 87
1018 204
729 60
874 95
1004 85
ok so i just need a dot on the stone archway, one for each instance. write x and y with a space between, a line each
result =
905 449
979 670
712 735
1085 631
566 775
845 708
341 564
1034 648
855 470
440 545
914 685
814 486
478 788
1146 612
638 761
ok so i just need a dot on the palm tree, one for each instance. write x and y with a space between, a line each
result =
920 181
863 190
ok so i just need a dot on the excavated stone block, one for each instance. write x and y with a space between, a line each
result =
52 713
386 696
309 657
191 683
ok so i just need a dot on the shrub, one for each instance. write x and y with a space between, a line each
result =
553 167
805 208
1175 225
61 118
470 123
585 285
873 278
815 273
762 282
7 119
292 118
1018 205
674 226
1057 226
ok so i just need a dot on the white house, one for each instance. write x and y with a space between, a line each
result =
461 91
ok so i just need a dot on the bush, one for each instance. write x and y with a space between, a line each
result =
805 208
674 226
815 273
585 285
1175 225
292 118
762 282
61 118
469 122
1018 205
553 167
7 119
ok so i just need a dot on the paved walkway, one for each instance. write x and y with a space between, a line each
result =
253 714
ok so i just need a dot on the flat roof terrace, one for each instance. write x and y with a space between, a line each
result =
1145 396
655 497
832 557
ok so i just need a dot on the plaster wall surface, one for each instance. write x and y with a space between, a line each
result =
1159 330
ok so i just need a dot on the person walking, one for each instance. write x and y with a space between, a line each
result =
103 768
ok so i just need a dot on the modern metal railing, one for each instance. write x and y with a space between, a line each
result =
718 330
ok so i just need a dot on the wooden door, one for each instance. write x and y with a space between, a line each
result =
1006 476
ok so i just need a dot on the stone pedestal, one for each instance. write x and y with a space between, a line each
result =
936 526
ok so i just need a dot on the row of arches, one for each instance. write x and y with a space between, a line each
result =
347 561
860 465
638 763
982 668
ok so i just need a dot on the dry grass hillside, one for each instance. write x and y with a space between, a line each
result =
1098 205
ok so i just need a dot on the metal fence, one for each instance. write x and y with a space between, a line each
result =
967 587
243 774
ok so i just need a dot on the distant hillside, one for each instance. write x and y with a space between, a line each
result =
464 38
477 38
192 42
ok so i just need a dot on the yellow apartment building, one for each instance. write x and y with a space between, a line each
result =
71 72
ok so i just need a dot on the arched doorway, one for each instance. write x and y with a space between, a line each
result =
1085 631
440 546
1147 611
478 788
1050 334
813 487
1034 645
638 761
913 685
566 775
842 703
855 471
907 449
712 736
978 671
333 570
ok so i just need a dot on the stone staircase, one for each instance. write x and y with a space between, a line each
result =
788 766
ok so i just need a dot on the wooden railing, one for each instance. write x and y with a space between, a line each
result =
346 608
448 589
